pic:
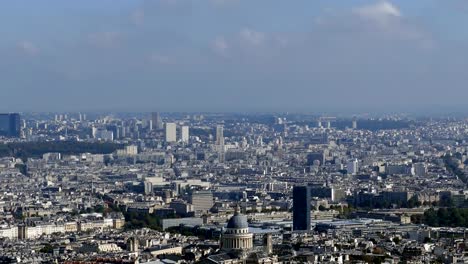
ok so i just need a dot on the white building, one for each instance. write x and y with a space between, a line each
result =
236 236
171 132
354 124
185 134
220 135
419 169
103 134
131 150
10 232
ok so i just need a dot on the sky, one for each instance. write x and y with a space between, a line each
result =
233 55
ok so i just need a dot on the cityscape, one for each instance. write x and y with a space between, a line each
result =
233 132
232 188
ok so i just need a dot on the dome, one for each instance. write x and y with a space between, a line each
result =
238 221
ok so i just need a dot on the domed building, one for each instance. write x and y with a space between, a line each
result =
237 246
236 236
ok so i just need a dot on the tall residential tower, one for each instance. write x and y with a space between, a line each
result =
171 132
157 121
301 208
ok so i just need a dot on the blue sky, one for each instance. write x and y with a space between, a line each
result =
233 55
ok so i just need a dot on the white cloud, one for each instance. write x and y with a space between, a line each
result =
28 47
381 13
251 43
252 37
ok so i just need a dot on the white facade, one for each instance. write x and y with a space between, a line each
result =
10 232
34 232
131 150
185 134
103 134
236 236
419 169
219 135
171 132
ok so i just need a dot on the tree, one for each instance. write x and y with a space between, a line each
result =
446 201
453 217
47 249
413 202
23 169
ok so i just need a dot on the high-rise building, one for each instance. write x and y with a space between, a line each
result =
115 131
301 208
220 142
220 135
10 125
150 125
319 123
354 124
102 134
185 134
171 132
353 167
157 121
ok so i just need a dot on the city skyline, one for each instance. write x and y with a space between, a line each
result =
233 55
233 131
258 188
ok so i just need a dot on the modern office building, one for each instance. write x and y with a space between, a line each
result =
202 201
10 125
323 192
353 167
171 132
185 134
301 208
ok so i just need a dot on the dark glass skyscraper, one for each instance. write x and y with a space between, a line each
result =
10 125
301 208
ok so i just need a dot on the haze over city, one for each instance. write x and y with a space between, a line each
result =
233 131
234 55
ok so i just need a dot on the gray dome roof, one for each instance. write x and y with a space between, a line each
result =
238 221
